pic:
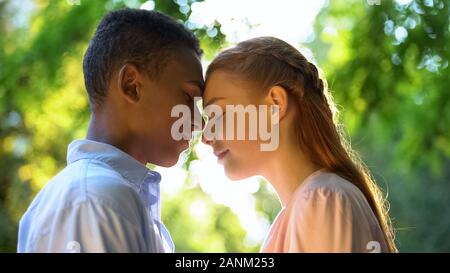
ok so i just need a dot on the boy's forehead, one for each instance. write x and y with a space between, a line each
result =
188 58
184 70
187 63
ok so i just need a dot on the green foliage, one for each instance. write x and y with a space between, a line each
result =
379 77
387 66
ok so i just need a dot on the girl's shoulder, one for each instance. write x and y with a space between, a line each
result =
330 214
329 183
326 188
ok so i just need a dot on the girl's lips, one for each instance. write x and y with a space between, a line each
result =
220 155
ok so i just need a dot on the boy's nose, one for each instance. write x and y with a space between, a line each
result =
197 125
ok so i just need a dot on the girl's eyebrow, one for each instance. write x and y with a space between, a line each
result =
211 101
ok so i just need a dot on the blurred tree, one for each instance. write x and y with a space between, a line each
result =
387 65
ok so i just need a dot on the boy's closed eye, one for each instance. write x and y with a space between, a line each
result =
188 96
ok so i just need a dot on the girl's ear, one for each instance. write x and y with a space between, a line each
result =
129 84
278 96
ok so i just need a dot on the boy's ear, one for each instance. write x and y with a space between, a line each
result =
278 96
129 83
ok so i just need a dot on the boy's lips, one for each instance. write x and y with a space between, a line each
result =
186 143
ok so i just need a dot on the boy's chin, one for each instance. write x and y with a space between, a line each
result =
167 164
175 155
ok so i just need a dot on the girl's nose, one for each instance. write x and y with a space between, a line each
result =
206 140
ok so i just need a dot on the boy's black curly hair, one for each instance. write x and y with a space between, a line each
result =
143 38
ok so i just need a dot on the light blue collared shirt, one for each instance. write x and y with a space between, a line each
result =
103 201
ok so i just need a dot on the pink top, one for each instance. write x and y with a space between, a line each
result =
326 214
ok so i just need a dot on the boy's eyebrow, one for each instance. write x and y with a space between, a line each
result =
199 84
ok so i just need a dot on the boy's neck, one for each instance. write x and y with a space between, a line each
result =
102 129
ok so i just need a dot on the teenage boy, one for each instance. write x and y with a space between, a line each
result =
138 66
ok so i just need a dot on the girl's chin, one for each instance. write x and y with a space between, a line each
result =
236 175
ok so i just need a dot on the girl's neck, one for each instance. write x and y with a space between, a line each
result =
287 171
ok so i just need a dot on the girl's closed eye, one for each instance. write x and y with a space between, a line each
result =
214 116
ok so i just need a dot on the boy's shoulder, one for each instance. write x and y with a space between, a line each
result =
82 181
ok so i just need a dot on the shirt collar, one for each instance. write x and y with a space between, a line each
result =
131 169
143 180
